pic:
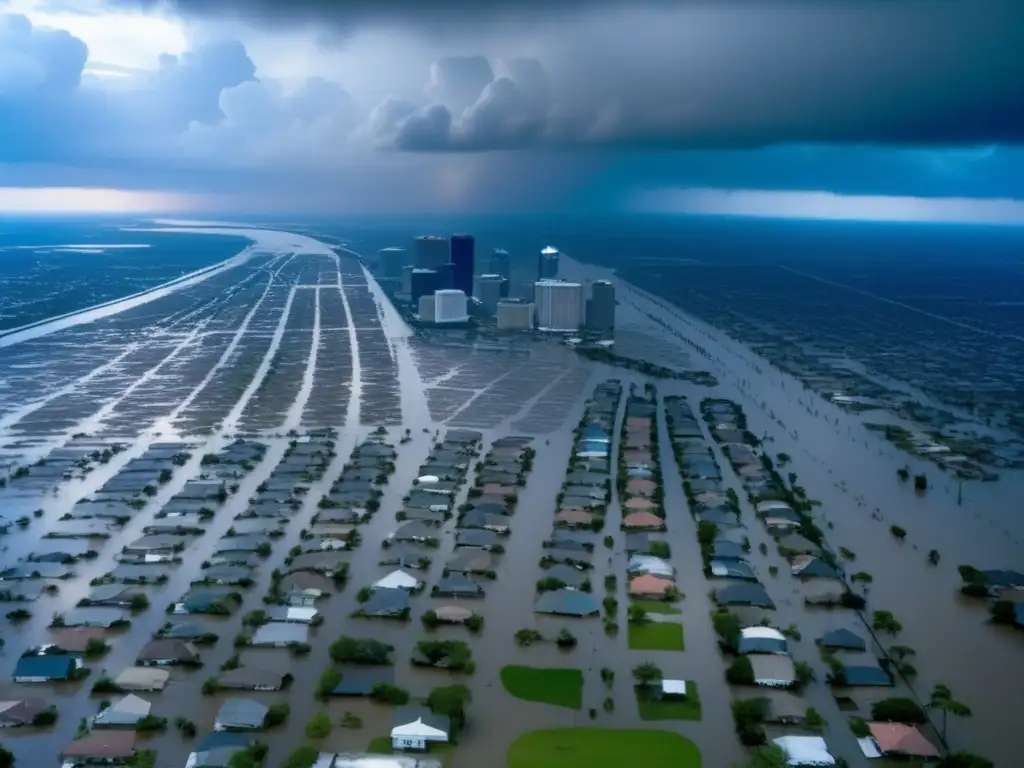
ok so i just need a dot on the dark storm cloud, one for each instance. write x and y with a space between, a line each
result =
346 15
732 73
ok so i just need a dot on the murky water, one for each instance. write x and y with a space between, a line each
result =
290 301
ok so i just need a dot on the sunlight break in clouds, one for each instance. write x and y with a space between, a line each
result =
777 204
80 200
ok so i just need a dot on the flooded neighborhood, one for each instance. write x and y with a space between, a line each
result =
260 521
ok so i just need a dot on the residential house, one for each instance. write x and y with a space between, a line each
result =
645 520
163 652
106 747
251 679
775 670
386 603
415 728
398 580
650 586
759 639
902 740
123 713
457 585
14 714
805 750
278 634
45 668
142 679
567 602
240 714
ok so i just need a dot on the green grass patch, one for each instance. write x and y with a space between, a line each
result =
670 709
382 746
657 606
656 636
601 748
560 687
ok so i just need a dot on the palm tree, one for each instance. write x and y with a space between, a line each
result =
943 701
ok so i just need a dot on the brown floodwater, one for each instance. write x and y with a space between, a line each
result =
850 470
853 473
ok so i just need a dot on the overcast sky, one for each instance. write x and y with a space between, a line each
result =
508 105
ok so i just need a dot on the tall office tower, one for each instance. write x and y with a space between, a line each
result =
601 307
515 315
390 262
450 306
547 263
559 305
488 289
463 260
445 276
424 282
431 252
500 263
426 308
407 279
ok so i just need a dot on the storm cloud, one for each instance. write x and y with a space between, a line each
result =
734 73
861 96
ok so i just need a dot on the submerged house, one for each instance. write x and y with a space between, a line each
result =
415 728
761 640
142 679
168 652
106 747
744 594
15 714
251 679
567 602
45 668
124 713
902 740
279 634
240 714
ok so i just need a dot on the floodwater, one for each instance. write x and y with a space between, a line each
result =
299 337
853 473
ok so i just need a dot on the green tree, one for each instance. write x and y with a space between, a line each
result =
450 701
885 621
942 700
646 673
768 756
318 727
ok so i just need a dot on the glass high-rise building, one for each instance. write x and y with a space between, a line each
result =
547 263
462 259
601 307
430 252
500 263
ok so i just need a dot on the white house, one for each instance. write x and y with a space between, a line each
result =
416 727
